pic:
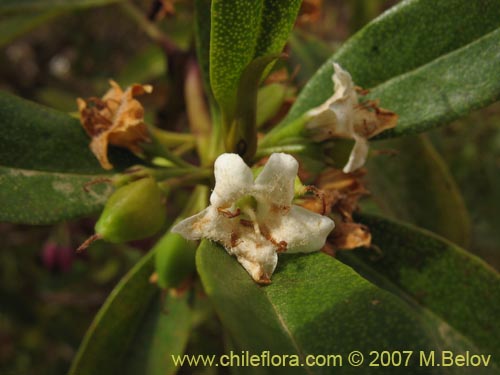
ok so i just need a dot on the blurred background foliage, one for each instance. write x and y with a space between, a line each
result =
51 55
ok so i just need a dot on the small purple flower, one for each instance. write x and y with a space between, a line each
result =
57 258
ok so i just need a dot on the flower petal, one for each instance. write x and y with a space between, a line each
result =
233 179
257 255
358 155
206 224
335 117
344 86
303 231
116 119
277 180
99 147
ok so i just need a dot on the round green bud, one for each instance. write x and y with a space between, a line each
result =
174 259
133 212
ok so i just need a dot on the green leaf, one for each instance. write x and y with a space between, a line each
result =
278 18
471 148
456 286
164 331
308 53
34 197
242 132
13 26
430 62
9 6
202 37
147 65
34 137
233 37
131 332
270 99
415 185
241 31
444 90
114 327
316 305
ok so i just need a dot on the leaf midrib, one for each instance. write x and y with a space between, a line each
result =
39 172
285 328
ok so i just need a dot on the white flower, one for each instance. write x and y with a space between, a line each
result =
255 220
344 116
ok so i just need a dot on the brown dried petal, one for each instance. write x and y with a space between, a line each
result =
372 120
348 236
116 119
310 12
345 188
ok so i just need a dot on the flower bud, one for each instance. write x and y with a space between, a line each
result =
56 258
174 260
48 255
133 212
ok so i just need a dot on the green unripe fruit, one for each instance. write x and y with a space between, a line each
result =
174 260
133 212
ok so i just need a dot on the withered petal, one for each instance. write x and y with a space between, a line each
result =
116 119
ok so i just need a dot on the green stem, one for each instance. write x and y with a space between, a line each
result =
199 119
155 149
292 148
216 145
147 26
285 135
171 139
182 149
202 176
160 174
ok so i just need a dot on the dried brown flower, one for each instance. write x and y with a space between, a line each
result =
117 119
337 195
310 12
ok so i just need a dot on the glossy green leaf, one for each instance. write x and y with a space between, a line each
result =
9 6
413 184
429 61
13 26
456 286
34 137
241 31
34 197
131 333
316 305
